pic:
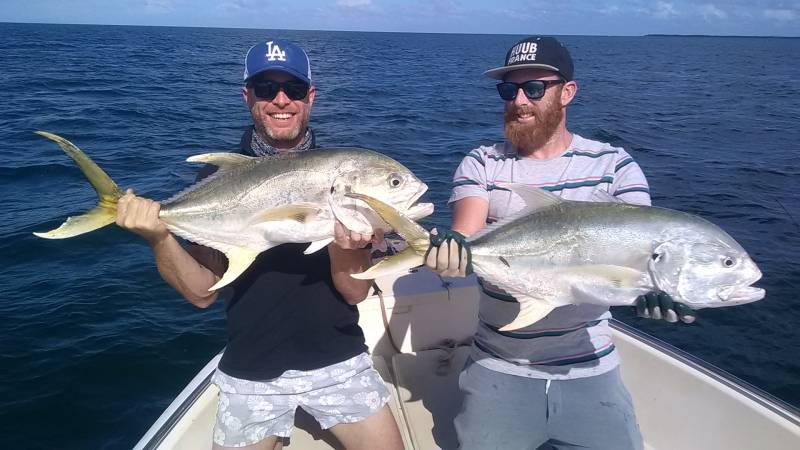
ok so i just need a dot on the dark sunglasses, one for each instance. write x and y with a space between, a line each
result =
533 89
268 89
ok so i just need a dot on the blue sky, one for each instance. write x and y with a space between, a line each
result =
563 17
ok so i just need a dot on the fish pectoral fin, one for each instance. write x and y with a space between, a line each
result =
605 284
619 276
317 245
531 310
239 259
397 263
606 295
299 212
221 160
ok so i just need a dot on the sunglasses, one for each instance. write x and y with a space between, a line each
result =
268 89
533 89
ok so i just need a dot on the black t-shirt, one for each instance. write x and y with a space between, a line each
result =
284 313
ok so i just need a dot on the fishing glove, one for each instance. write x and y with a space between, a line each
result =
449 253
659 305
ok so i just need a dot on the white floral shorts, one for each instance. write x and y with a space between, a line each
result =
250 411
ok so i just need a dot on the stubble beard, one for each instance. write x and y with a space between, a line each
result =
535 135
282 137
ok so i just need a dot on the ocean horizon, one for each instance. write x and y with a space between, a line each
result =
96 345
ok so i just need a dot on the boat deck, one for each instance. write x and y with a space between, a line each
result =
412 330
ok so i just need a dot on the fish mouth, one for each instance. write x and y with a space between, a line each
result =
416 211
744 294
419 211
739 295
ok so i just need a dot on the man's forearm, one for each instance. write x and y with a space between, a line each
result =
183 272
345 262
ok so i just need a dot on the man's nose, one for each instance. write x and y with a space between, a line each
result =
521 98
281 99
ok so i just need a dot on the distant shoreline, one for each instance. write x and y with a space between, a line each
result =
397 32
721 36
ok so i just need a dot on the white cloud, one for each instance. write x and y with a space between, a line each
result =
781 15
709 11
664 10
610 10
354 3
158 6
235 5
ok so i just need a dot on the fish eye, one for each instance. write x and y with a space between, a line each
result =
395 180
729 261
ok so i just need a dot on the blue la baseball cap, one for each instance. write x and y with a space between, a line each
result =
277 54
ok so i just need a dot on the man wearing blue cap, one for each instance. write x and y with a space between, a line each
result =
555 383
293 334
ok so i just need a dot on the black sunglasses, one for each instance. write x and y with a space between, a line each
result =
533 89
268 89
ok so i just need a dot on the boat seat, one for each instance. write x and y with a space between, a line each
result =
427 384
308 435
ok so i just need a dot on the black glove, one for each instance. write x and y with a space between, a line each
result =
659 305
449 253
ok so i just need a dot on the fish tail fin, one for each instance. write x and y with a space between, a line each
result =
400 262
417 238
108 194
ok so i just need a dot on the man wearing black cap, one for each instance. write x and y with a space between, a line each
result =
293 334
555 382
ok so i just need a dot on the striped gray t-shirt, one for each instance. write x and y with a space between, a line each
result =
572 341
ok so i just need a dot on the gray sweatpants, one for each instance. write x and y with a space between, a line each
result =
501 411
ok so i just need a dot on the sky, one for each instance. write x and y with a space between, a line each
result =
559 17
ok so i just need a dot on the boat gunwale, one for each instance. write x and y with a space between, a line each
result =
159 435
716 374
738 385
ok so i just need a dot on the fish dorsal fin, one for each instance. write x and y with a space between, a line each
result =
535 199
604 197
317 245
221 160
299 212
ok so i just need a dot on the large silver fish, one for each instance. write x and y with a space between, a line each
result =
252 204
556 252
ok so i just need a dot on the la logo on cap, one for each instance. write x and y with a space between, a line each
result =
274 53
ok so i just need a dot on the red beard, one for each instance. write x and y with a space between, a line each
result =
532 136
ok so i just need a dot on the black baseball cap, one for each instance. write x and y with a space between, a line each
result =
536 52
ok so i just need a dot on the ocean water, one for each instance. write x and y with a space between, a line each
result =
94 345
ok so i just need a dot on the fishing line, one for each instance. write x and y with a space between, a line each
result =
791 217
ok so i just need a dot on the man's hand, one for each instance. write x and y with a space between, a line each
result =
449 254
350 240
140 215
659 305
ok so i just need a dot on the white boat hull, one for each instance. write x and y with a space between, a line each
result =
414 330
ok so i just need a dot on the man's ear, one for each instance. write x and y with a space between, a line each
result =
312 92
568 92
246 95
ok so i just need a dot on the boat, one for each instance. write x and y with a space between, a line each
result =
418 327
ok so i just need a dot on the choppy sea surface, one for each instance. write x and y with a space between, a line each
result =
94 345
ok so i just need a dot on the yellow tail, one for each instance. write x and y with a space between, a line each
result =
416 237
107 193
